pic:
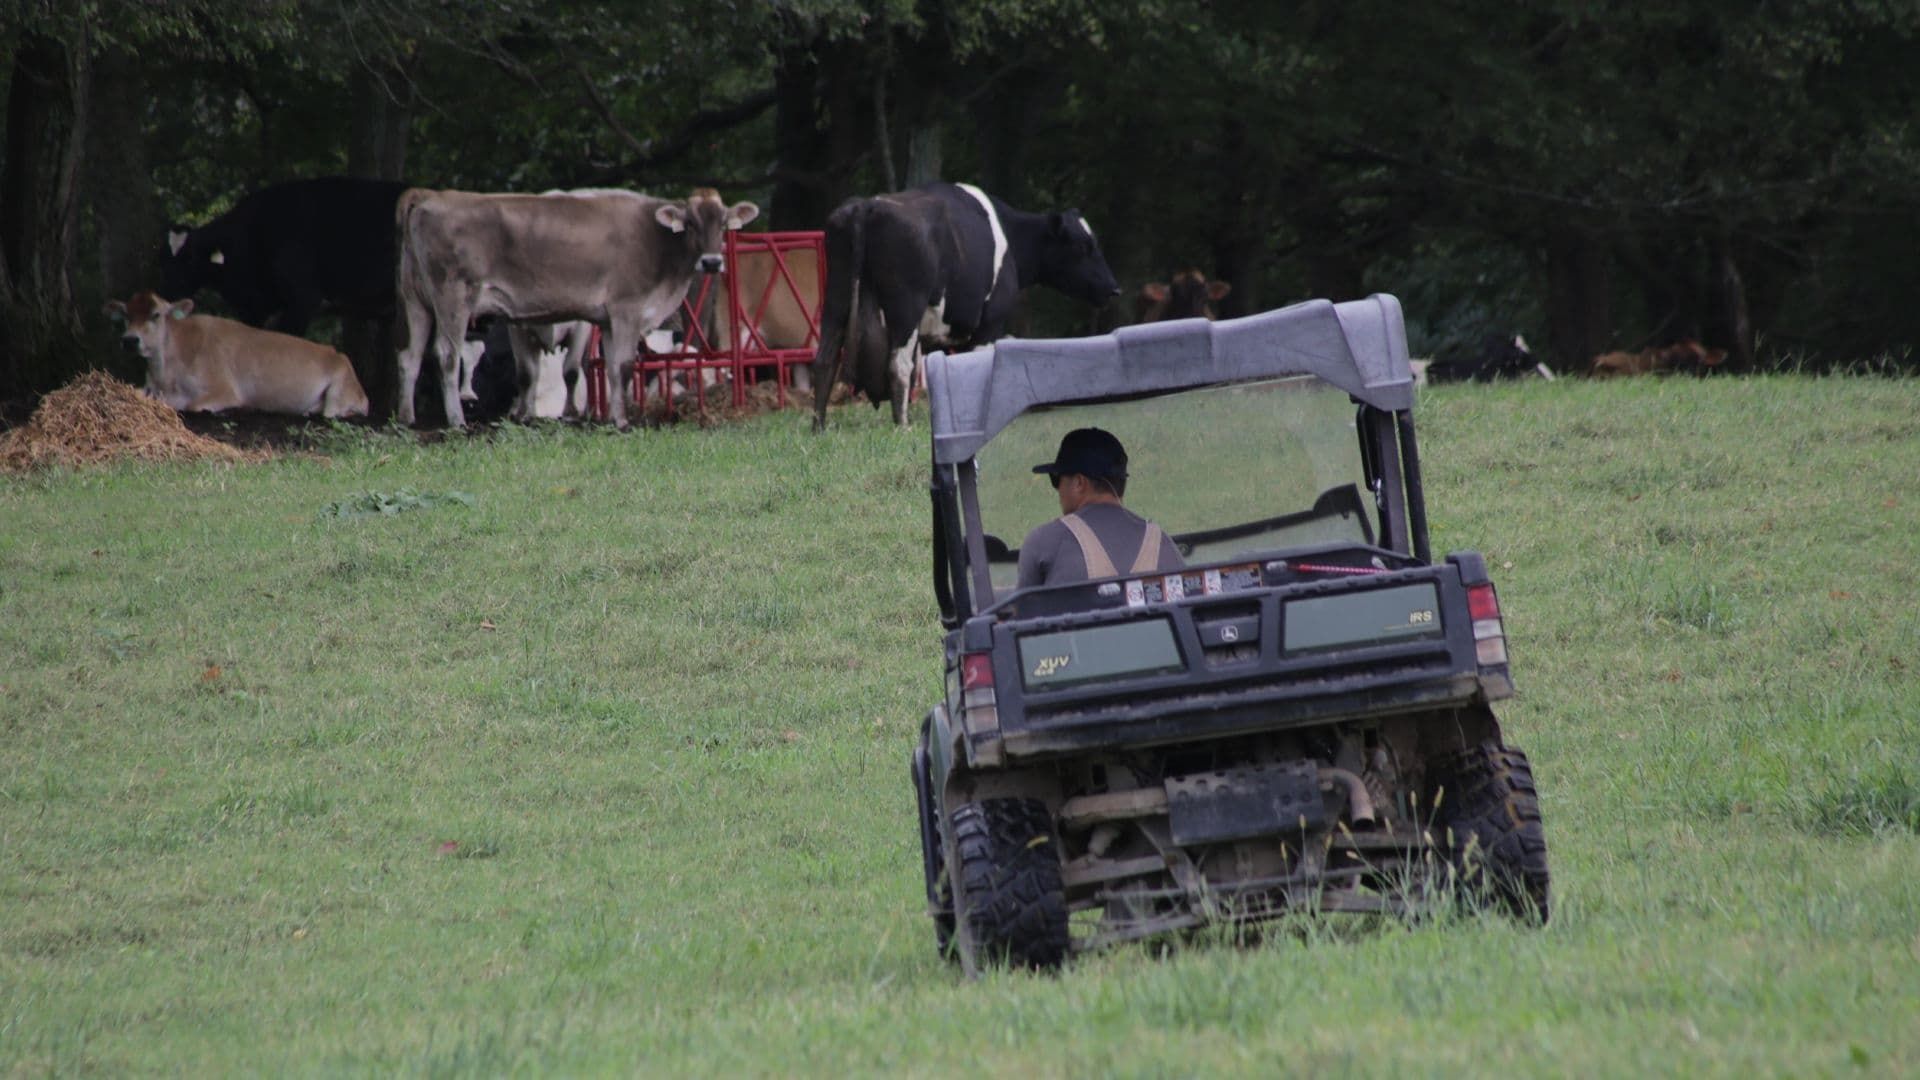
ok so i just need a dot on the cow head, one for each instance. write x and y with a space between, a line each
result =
1070 260
703 222
1189 296
192 261
145 321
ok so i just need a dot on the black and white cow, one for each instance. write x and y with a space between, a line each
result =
938 266
1498 358
286 252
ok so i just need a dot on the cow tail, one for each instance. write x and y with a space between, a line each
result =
404 268
857 272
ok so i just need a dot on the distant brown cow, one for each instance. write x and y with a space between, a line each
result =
782 323
1188 296
200 363
1688 355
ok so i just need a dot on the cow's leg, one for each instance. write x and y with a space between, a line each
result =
344 397
621 342
471 353
570 374
446 350
418 328
901 362
527 352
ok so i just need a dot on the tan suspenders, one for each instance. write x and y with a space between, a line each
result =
1099 564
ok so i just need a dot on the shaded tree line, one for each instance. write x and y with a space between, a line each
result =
1595 177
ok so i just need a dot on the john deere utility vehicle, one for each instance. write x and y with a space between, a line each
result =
1297 719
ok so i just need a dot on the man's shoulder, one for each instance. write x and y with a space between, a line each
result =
1045 532
1111 511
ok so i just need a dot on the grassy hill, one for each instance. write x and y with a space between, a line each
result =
588 755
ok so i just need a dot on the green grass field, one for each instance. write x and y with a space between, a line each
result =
602 769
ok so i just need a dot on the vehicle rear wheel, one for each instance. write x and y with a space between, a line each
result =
1490 829
1005 874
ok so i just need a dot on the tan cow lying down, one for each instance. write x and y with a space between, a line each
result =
200 363
1686 355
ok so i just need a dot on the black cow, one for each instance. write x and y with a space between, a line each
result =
1498 358
940 265
288 251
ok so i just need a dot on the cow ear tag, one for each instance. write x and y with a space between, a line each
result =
175 241
218 258
672 218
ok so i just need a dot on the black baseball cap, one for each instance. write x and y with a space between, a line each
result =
1089 452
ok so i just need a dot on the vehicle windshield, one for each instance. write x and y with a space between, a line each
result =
1227 471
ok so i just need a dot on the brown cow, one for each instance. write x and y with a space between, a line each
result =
200 363
782 322
615 258
1688 355
1188 296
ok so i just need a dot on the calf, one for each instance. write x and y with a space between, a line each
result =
199 363
549 356
940 265
619 259
1189 295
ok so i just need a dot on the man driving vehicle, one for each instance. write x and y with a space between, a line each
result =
1093 530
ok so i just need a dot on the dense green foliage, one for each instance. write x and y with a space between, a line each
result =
1594 177
589 756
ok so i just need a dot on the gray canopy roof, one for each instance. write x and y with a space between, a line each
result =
1360 347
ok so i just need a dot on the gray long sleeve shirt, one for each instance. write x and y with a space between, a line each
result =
1051 556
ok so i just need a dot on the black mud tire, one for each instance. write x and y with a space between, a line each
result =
1489 828
1011 907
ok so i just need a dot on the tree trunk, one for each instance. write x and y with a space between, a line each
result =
129 225
1579 315
882 141
800 196
923 154
41 337
919 102
383 100
1240 239
1730 325
1006 116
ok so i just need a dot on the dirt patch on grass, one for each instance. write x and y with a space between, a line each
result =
95 420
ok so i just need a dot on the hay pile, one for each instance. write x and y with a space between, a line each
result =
97 419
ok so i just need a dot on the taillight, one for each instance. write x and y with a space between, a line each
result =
1482 603
976 671
1489 636
979 709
